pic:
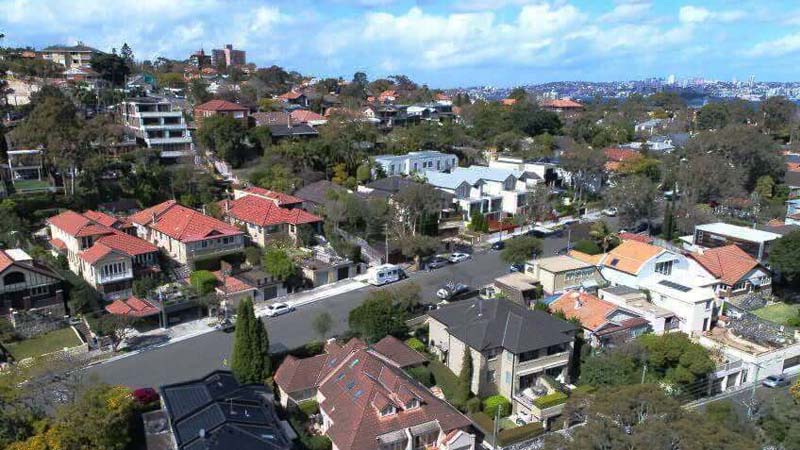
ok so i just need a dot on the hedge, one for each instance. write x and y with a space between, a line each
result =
484 422
421 374
584 389
415 344
546 401
308 407
492 404
517 434
587 246
445 379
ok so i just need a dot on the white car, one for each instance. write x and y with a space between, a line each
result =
458 257
276 309
611 212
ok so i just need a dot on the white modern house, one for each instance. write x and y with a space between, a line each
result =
158 125
536 170
691 299
490 191
711 235
413 162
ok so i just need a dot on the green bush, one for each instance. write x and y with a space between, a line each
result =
495 403
517 434
445 379
415 344
484 422
473 405
253 255
584 389
421 374
308 407
316 442
587 246
203 281
546 401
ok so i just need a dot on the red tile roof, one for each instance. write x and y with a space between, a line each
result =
262 212
508 101
627 236
590 310
231 284
133 307
305 116
58 244
295 374
182 223
563 103
101 218
220 105
125 243
283 199
291 95
363 383
399 352
77 225
5 261
621 154
729 263
96 253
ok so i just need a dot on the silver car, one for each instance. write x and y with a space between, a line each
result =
276 309
458 257
776 381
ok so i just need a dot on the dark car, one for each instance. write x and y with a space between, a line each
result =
145 396
437 262
499 245
516 268
452 290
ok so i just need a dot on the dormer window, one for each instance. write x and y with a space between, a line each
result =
388 411
413 403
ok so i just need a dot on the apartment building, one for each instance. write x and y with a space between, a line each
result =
560 273
478 189
98 250
541 170
185 234
157 125
514 349
70 56
26 285
367 400
414 162
227 57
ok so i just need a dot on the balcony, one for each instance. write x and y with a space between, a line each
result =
159 114
200 253
170 126
122 276
169 140
543 363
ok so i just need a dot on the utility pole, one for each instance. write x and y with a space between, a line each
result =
644 371
752 401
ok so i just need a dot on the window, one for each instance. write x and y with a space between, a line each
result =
14 278
708 305
740 286
388 411
508 377
413 403
664 268
491 376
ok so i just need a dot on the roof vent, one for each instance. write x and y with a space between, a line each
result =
201 433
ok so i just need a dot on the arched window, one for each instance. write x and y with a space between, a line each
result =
14 278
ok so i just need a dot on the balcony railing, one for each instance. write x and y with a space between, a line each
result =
159 114
545 362
102 279
212 251
169 140
169 126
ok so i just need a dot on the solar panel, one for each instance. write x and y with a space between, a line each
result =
614 262
340 377
350 385
358 393
673 285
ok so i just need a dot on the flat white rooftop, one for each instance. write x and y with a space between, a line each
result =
738 232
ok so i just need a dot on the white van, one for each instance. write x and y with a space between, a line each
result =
384 274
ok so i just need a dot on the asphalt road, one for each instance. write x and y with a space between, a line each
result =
197 356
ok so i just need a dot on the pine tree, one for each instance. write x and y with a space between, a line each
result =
465 376
261 362
242 360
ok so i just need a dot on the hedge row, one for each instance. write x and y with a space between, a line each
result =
517 434
546 401
445 379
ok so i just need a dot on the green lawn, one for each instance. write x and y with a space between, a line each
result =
778 313
46 343
31 185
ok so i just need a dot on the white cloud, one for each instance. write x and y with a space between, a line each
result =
627 11
695 14
783 46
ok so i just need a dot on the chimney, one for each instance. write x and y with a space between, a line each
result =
154 216
578 302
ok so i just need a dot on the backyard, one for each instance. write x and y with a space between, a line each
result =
43 344
780 313
31 185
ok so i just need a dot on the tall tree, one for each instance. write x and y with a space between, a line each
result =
586 166
784 256
634 197
378 317
602 235
521 249
227 137
126 53
322 324
465 376
250 362
111 67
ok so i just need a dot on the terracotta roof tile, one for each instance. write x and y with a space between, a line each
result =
283 199
729 263
220 105
77 225
590 310
232 284
627 236
133 307
305 116
125 243
262 212
58 244
101 218
182 223
630 256
398 351
5 260
95 253
563 103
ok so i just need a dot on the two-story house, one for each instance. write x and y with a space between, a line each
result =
185 234
513 348
263 218
108 258
691 298
755 242
219 107
604 323
737 274
368 402
27 285
414 162
559 273
632 262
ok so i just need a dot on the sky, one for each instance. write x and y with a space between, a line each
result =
442 43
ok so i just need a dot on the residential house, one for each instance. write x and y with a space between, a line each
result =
737 274
133 307
99 248
228 57
560 273
283 131
271 118
605 324
518 287
157 125
388 96
483 190
792 180
367 401
263 217
414 162
185 234
632 262
617 157
753 241
649 126
792 212
513 349
564 105
541 170
315 195
27 285
307 117
70 56
216 107
691 298
661 320
295 98
215 413
279 198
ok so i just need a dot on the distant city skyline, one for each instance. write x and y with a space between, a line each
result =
442 43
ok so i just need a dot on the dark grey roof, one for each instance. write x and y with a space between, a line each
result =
71 48
280 130
391 184
317 192
783 230
217 413
485 324
792 178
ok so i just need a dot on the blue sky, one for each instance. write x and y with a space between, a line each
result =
440 42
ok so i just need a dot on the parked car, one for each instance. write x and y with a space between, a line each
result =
226 325
451 290
569 221
776 381
611 212
276 309
145 396
499 245
516 268
458 257
437 262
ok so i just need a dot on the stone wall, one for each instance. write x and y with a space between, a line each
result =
43 320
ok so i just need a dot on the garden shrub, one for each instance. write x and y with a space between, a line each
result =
546 401
415 344
587 246
473 405
421 374
517 434
308 407
495 403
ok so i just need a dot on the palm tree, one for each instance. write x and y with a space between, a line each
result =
603 235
